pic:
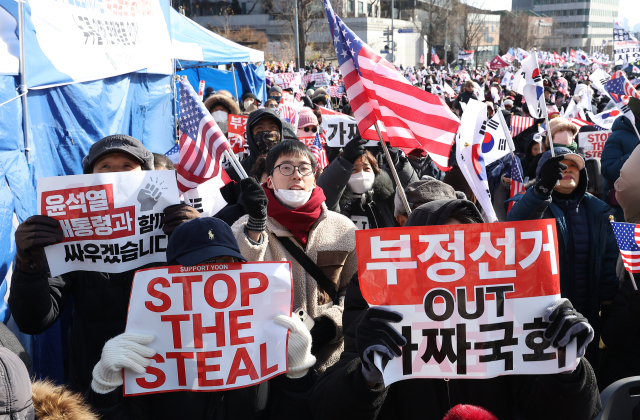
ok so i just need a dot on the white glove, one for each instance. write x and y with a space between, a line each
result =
123 351
299 351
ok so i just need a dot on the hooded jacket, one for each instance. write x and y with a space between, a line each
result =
374 208
231 192
331 245
55 402
342 392
617 148
586 244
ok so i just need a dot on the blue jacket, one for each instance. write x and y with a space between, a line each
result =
618 147
601 280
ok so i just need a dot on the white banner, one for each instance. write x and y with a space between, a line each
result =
111 222
213 325
288 81
466 55
626 48
96 40
593 143
339 129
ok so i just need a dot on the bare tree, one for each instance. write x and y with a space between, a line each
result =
515 31
470 19
434 16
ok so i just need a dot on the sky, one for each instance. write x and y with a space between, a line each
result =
631 9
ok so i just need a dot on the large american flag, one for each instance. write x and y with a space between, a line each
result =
202 143
319 153
618 87
517 183
412 117
519 124
628 237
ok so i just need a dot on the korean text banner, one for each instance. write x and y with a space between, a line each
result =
111 222
213 325
472 297
69 42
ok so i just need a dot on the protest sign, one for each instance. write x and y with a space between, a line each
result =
593 143
237 129
472 297
206 197
288 80
111 222
213 325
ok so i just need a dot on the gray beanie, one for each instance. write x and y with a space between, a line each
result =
275 89
118 143
421 192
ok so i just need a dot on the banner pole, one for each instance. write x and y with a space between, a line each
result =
393 171
543 108
23 80
233 160
235 86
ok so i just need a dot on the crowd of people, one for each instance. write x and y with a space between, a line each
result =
290 208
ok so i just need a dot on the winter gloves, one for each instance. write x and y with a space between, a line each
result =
323 332
299 351
31 237
354 149
177 214
375 333
394 152
550 174
255 203
567 323
126 350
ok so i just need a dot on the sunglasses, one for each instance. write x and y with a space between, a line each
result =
313 129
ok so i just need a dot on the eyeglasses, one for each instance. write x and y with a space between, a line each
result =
314 129
273 106
287 169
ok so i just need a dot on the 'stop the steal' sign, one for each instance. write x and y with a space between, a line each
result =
213 325
111 222
472 297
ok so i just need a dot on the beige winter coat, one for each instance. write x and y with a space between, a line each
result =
332 246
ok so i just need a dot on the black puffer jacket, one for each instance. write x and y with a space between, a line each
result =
100 300
342 393
373 209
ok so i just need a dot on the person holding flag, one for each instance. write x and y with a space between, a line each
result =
589 252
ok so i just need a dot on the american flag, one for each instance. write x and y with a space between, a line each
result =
336 91
519 124
299 96
619 87
173 154
378 92
628 237
319 153
517 183
563 86
434 57
509 56
202 143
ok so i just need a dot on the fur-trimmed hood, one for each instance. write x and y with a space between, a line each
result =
223 100
53 402
382 191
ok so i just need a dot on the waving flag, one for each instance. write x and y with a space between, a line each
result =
173 154
618 89
434 57
519 124
563 86
533 88
319 153
517 183
582 58
470 157
497 63
509 56
558 58
379 93
202 143
605 119
522 54
628 238
572 56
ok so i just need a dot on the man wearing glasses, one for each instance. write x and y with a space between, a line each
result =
288 220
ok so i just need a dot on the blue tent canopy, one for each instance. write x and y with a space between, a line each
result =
195 46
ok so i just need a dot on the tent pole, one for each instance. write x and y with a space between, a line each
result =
23 81
233 72
174 90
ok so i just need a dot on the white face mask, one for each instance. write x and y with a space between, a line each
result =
220 116
361 182
291 198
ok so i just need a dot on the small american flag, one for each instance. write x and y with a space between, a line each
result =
517 183
628 237
202 143
579 122
519 124
319 153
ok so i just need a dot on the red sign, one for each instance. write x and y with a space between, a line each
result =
237 132
399 266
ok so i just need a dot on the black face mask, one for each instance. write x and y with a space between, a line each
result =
276 98
265 140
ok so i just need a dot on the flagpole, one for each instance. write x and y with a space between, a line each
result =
543 107
393 171
233 160
633 280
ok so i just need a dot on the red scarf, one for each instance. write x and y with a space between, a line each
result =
300 220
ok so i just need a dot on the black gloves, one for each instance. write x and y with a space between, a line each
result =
374 333
567 323
354 149
31 237
177 214
255 204
394 152
550 174
323 331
